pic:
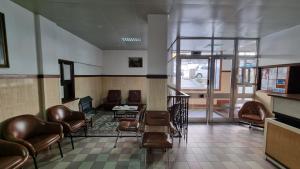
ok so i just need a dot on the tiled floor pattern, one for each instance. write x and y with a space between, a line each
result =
208 147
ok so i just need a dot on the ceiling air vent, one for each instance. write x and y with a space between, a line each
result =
131 39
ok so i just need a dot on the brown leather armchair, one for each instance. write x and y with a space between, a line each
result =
12 155
155 134
33 133
131 124
254 112
113 99
159 118
134 97
72 121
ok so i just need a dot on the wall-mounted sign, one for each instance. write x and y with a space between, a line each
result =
135 62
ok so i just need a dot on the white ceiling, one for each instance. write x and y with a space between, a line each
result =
104 22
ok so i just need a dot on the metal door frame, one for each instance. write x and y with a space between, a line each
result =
178 77
211 73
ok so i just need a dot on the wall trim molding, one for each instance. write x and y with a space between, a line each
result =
41 76
48 76
110 76
18 76
157 76
123 75
279 65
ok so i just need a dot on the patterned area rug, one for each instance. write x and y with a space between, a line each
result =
104 125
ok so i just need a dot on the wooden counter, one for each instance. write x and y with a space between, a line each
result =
286 96
282 144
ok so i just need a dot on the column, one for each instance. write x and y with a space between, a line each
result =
157 62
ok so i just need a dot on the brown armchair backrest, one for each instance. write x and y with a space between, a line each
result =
114 95
134 96
58 113
22 127
255 108
157 118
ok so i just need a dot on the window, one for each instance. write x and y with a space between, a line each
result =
67 80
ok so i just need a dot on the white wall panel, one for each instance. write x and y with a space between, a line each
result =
20 38
116 62
281 48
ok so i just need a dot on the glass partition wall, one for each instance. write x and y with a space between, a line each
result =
219 74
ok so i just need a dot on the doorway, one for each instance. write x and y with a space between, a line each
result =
219 74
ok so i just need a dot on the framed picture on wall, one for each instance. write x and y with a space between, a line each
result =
3 43
135 62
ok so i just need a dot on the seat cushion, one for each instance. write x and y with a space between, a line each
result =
128 126
252 118
43 141
8 162
76 125
157 140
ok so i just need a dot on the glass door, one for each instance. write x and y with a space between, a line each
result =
219 74
220 97
194 82
222 76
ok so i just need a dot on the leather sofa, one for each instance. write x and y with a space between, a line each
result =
33 133
72 121
254 112
113 99
134 97
12 155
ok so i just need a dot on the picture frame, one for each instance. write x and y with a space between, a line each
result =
135 62
3 43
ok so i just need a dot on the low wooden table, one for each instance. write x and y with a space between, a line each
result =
125 111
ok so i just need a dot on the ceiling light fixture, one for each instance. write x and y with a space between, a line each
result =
128 39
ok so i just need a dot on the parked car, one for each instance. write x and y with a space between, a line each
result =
201 72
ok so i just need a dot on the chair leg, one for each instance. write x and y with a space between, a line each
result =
137 138
146 152
71 137
91 122
61 153
250 125
168 158
117 139
85 130
34 161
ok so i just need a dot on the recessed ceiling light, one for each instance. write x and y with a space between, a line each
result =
131 39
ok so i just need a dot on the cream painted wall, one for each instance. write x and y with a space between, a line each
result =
124 84
157 100
21 39
116 62
18 96
89 86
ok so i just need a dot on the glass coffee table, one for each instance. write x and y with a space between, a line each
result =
125 111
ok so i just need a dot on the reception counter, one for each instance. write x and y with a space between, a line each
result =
282 133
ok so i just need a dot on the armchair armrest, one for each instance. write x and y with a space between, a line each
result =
77 115
66 126
53 128
11 149
25 143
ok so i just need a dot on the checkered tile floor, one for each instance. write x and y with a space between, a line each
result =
208 147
